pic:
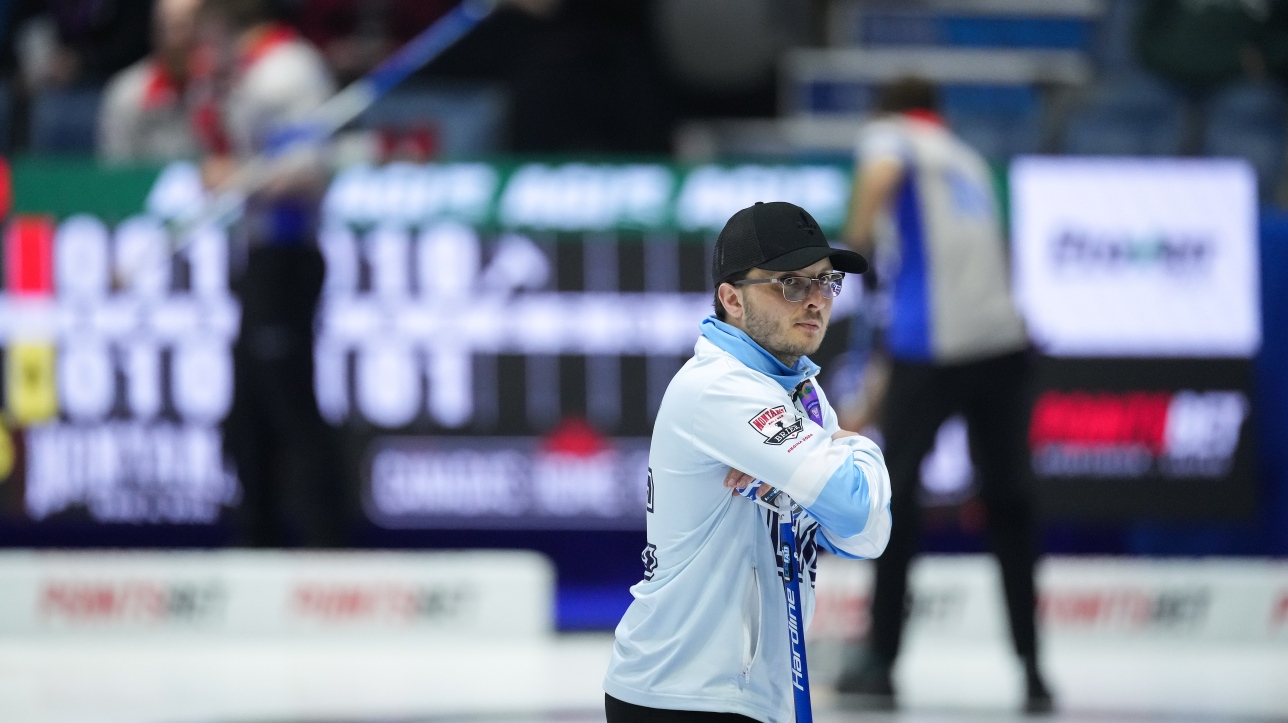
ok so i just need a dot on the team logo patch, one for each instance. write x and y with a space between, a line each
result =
777 425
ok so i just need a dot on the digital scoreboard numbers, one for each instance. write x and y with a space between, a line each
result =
121 388
1139 281
494 340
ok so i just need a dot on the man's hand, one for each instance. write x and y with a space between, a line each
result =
217 171
738 481
841 433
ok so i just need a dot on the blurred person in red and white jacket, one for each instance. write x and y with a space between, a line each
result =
256 79
146 114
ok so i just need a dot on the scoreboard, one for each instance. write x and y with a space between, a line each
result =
493 339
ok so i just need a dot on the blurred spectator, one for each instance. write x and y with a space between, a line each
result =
957 345
61 43
254 80
1200 46
145 113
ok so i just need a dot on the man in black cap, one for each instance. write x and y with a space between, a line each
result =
744 424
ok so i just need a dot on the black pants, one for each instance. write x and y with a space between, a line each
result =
992 395
622 712
274 432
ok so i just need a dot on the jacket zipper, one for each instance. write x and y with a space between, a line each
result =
751 624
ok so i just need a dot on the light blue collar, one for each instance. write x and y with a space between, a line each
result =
746 350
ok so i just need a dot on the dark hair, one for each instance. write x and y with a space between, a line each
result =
721 314
240 14
905 94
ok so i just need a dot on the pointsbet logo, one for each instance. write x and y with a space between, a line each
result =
394 602
131 602
1123 609
1135 433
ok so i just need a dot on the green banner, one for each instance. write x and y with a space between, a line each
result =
551 196
64 187
539 196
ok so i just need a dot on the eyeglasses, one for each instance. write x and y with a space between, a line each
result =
797 288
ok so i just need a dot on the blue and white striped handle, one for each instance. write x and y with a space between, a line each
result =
783 506
795 616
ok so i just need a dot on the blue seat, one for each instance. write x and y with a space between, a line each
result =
1135 116
64 121
998 121
1248 121
914 26
1114 48
998 136
832 98
1017 32
469 119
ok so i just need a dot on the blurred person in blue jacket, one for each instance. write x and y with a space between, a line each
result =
923 201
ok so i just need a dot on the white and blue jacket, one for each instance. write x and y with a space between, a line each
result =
943 248
708 628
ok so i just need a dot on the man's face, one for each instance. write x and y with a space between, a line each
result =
786 328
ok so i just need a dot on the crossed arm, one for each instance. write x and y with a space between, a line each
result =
738 481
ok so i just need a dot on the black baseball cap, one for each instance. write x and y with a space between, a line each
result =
777 236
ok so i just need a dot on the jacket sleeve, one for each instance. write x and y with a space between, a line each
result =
871 485
750 424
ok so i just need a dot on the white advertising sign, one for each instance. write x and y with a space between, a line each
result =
1136 257
476 593
959 598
